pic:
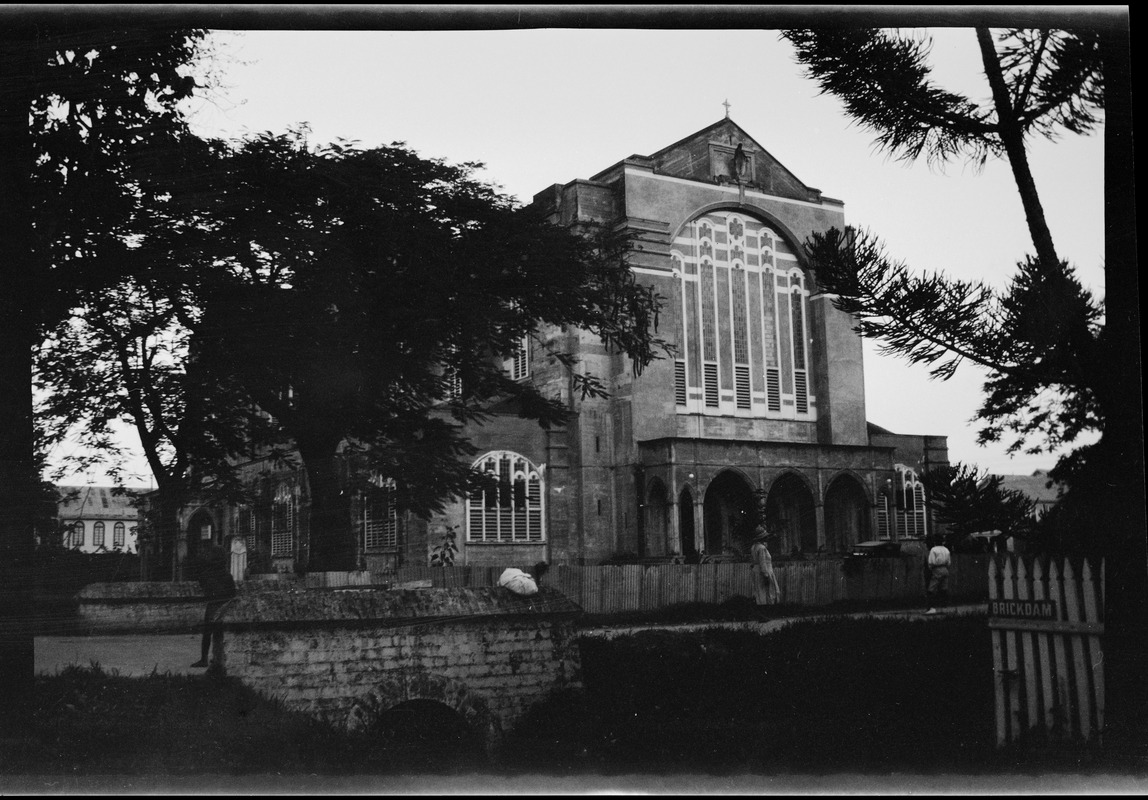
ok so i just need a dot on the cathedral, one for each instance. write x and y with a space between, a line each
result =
758 416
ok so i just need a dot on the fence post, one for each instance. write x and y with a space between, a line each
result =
1096 655
998 658
1029 666
1044 650
1080 673
1063 696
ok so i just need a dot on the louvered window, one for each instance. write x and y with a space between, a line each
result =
773 389
680 383
912 511
508 507
741 385
711 387
380 521
518 365
884 530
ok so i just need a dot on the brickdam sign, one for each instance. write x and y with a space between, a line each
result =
1023 609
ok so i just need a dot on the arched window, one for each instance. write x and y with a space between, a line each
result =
508 508
283 521
118 535
98 534
76 537
380 520
911 510
743 334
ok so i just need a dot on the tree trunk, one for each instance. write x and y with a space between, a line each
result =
1123 493
1012 137
333 542
18 336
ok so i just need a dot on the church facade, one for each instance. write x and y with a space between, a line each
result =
758 416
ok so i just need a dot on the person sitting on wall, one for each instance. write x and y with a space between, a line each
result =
214 577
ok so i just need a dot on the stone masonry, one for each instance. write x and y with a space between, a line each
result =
346 656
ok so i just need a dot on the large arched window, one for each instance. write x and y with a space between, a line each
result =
118 535
283 521
508 508
743 333
76 535
98 534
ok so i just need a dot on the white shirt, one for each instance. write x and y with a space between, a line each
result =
939 556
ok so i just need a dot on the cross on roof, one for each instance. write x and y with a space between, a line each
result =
726 104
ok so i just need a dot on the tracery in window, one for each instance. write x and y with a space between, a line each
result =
509 508
744 332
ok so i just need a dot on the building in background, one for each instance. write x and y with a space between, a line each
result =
759 416
1037 487
94 519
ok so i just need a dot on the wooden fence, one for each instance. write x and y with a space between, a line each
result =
635 587
1046 621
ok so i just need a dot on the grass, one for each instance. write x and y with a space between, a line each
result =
858 695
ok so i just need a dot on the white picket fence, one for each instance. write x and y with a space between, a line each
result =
1046 622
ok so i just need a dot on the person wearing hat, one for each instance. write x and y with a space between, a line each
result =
766 590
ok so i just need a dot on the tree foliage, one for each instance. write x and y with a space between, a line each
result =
1040 339
360 302
966 500
80 111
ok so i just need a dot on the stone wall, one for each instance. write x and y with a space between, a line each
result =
346 656
141 606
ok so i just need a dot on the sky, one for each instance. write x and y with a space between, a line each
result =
547 106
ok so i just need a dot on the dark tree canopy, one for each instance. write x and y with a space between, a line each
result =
81 111
362 301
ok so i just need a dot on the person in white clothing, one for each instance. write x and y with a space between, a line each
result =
937 563
766 590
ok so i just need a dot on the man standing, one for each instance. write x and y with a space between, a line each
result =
218 588
938 562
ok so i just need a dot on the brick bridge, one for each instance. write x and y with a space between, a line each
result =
349 655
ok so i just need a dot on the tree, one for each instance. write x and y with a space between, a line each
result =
1055 369
966 500
123 357
77 109
365 299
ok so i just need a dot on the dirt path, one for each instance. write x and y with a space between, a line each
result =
769 626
